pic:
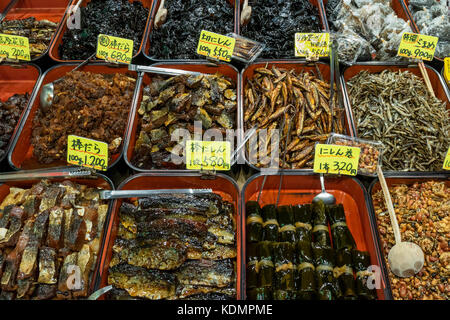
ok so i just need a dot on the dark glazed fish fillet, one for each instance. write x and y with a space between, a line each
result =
77 232
45 292
55 227
207 273
25 288
16 217
185 291
139 282
47 266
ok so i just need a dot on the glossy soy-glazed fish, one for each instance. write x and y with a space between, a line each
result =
176 103
298 105
181 246
46 232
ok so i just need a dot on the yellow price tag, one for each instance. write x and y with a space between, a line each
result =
446 165
417 46
114 49
336 159
208 155
14 47
312 44
447 70
215 45
87 153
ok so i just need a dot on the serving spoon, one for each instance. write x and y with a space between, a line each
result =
405 258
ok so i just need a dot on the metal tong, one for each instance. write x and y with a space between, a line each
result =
68 172
165 71
119 194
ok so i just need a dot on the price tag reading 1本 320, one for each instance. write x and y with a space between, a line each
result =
14 47
336 159
208 155
87 153
417 46
216 46
114 49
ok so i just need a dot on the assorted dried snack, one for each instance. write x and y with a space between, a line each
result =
10 112
175 247
422 211
178 37
118 18
289 254
47 233
295 103
396 109
176 103
275 24
86 104
38 32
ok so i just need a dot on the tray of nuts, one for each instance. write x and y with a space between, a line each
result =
370 156
422 207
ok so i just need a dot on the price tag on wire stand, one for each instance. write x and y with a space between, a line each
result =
447 69
312 45
114 49
417 46
216 46
447 161
87 153
336 159
208 155
14 47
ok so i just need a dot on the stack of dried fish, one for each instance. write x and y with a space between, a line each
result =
176 103
175 247
49 241
397 109
38 32
298 105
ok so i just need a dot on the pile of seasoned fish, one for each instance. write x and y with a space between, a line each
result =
298 105
49 240
176 103
175 247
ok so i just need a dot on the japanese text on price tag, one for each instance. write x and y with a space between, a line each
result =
215 45
14 47
312 44
87 153
336 159
447 161
114 49
447 69
208 155
417 46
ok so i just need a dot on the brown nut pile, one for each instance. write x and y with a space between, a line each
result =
368 158
423 213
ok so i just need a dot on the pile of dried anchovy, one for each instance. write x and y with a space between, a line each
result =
396 109
38 32
422 211
295 103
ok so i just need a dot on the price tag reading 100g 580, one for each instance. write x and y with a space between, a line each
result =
335 159
87 153
207 155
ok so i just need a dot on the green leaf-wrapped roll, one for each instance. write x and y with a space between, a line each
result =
341 235
361 261
303 222
344 273
252 265
284 260
305 281
284 295
270 226
324 260
260 294
287 230
254 221
266 266
320 230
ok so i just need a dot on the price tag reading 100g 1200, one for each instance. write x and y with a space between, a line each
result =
87 153
14 47
207 155
114 49
417 46
335 159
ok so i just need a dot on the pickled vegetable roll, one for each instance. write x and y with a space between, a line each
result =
264 293
341 235
284 259
252 265
320 231
324 260
270 226
361 262
305 281
265 266
303 222
344 273
254 221
286 220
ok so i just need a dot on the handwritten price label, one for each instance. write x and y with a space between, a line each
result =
87 153
417 46
336 159
312 44
208 155
114 49
216 46
447 70
14 47
447 161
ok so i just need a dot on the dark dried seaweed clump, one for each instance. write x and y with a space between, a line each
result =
275 22
119 18
178 37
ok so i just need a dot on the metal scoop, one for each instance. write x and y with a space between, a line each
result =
405 258
324 196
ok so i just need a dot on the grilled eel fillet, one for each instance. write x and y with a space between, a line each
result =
207 273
